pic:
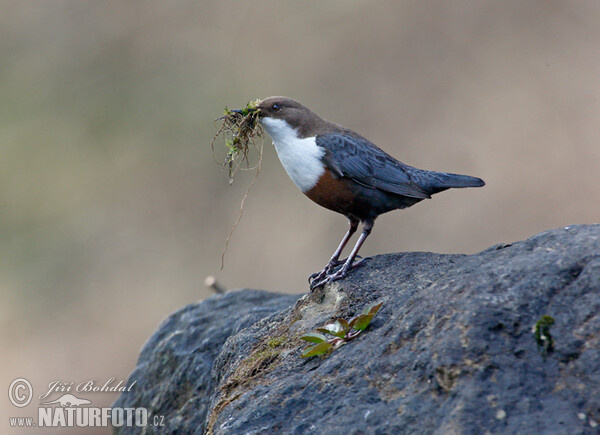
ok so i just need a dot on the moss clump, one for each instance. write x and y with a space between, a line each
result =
256 364
241 129
249 370
276 342
541 331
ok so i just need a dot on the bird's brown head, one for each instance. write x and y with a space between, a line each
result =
296 115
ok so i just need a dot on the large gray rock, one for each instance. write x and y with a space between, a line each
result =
172 377
451 351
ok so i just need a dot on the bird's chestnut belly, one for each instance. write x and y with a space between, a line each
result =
349 198
336 194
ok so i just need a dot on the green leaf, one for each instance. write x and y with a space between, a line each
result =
344 323
361 322
372 308
333 329
313 337
340 328
324 331
317 349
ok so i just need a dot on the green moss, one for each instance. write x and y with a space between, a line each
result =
276 341
250 107
541 331
295 319
240 129
262 359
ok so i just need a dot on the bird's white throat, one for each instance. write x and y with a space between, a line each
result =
300 157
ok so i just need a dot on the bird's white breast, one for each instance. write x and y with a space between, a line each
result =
300 157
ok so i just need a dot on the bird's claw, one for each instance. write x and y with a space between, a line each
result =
329 278
325 276
318 276
332 265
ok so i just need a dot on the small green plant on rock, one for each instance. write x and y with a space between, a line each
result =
541 331
340 332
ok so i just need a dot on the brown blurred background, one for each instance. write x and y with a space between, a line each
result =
113 211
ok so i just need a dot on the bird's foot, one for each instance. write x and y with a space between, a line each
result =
325 276
318 276
329 278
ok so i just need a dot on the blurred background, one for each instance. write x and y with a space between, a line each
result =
114 211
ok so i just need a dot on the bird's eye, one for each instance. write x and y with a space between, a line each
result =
276 107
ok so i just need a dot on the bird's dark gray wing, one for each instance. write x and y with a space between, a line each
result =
361 161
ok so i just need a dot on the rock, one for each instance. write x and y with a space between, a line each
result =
172 377
454 349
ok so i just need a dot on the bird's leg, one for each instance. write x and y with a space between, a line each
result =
334 261
367 227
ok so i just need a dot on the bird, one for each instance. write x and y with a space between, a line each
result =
346 173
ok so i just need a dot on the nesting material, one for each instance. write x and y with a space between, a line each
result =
242 133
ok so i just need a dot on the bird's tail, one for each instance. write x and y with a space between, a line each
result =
457 180
434 182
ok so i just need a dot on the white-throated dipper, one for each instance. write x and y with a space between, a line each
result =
344 172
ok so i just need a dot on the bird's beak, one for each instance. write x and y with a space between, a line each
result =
245 111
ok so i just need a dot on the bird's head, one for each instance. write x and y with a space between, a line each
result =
283 113
281 108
